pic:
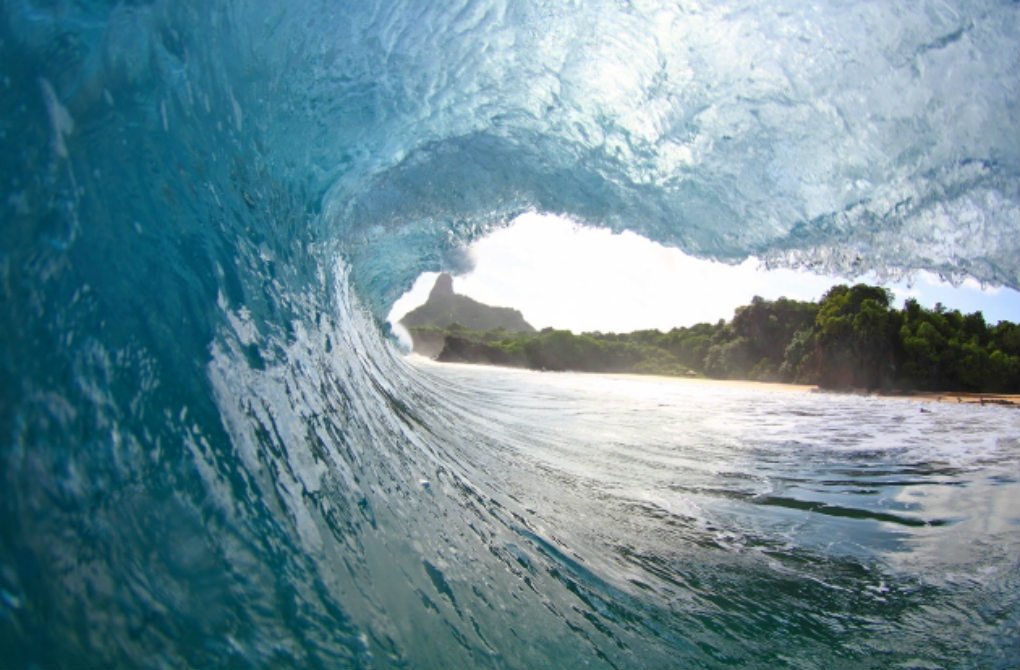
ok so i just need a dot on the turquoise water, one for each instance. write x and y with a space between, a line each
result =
211 454
706 524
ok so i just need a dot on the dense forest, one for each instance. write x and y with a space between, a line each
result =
851 339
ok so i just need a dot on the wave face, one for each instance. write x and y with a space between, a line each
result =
211 455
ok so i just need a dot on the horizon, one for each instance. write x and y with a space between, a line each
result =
554 271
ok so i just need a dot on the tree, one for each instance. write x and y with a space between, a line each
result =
855 337
729 360
852 338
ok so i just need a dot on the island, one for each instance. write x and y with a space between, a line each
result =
851 339
446 309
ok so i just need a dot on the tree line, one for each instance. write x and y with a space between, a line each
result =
853 338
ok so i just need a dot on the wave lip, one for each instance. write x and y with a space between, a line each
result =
212 456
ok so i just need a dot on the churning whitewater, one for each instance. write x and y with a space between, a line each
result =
213 455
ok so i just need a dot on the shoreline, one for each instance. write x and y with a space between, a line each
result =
750 384
951 397
957 397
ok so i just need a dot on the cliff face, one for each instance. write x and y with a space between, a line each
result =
463 350
445 308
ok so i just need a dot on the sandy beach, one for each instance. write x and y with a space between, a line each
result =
726 383
1009 400
958 397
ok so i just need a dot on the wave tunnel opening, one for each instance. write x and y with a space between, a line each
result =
213 457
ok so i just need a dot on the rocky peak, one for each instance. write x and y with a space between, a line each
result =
445 308
442 287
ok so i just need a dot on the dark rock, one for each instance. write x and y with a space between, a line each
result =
462 350
445 308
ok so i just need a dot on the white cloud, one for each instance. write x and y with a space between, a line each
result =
562 274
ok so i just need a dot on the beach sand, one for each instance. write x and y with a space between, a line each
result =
1002 399
1005 399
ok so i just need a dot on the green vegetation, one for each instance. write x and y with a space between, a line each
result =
852 338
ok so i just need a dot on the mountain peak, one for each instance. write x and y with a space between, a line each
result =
444 308
443 286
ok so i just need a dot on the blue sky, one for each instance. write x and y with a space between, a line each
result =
565 275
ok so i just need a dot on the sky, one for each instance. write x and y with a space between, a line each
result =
564 275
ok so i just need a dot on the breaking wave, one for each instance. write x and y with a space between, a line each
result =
212 456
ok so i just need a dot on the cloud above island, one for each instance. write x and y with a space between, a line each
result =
562 274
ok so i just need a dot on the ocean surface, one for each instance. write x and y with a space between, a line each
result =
212 454
713 524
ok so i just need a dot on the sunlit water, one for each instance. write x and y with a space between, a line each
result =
762 525
211 457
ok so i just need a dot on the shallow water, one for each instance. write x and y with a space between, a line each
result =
765 527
